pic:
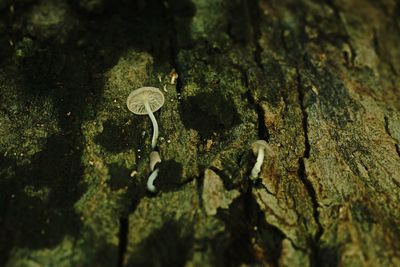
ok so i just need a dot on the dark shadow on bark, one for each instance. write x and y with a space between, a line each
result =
119 176
167 246
327 256
170 176
118 136
248 239
208 113
39 198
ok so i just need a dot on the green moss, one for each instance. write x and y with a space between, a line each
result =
50 19
25 48
92 6
63 255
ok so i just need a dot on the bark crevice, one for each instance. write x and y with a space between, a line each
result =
262 130
387 129
314 243
173 44
255 18
122 240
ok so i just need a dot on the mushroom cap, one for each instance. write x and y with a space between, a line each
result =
259 144
137 98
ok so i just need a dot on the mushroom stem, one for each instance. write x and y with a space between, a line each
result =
150 181
155 125
154 159
257 167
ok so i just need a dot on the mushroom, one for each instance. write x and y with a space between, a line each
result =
150 181
154 159
146 100
259 148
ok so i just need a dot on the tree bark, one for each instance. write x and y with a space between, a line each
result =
318 80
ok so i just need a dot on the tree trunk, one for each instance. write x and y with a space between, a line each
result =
318 80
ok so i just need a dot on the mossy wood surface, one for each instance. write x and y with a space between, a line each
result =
318 80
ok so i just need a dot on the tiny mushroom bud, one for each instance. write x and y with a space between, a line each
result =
146 100
173 76
154 159
259 148
150 181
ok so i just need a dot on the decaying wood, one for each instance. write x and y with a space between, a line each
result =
318 80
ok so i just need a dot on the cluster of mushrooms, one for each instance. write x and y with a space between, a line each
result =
145 101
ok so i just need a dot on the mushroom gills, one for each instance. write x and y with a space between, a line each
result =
145 101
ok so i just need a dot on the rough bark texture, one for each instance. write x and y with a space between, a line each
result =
318 80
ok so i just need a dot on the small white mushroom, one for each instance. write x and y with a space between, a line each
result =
150 181
154 159
146 100
259 147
